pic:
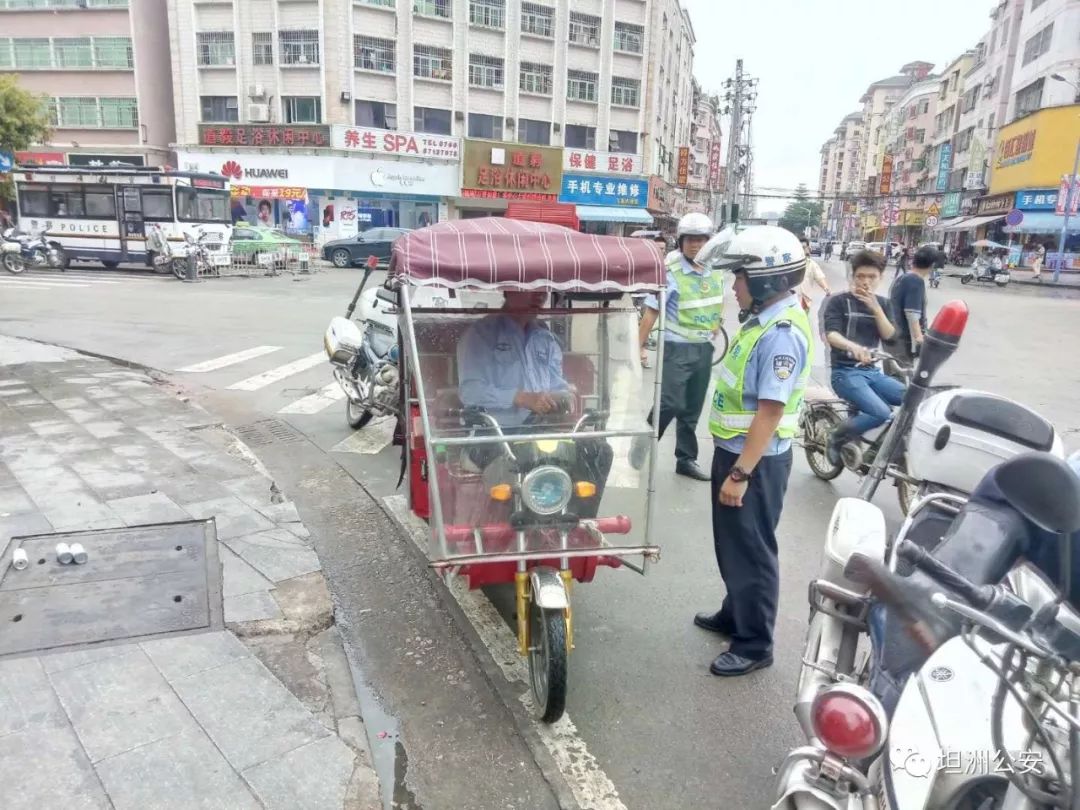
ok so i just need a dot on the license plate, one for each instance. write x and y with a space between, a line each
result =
222 261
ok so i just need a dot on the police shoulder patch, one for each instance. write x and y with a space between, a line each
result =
783 366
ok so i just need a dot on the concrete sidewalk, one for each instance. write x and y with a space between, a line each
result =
260 713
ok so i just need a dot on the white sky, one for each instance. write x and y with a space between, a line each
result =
814 59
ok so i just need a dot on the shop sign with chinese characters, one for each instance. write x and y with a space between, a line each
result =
584 160
386 142
661 195
684 166
270 192
511 171
1037 199
620 192
265 135
714 165
996 204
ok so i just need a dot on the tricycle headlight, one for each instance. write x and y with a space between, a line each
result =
546 490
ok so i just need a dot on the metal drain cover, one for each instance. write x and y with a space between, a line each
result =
140 581
267 431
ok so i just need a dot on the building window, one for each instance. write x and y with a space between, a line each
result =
487 13
537 20
536 132
45 5
432 8
924 106
625 92
432 63
82 113
380 3
301 109
623 141
485 126
485 71
429 119
73 53
88 112
215 48
32 54
628 37
377 114
1039 44
299 47
370 53
113 52
581 86
262 48
1029 98
580 137
535 78
584 29
219 109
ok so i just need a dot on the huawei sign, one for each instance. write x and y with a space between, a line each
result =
235 171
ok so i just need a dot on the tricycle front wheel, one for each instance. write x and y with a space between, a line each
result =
547 661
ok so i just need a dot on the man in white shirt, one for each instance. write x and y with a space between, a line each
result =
814 276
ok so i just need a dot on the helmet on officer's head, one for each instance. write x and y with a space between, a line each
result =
772 259
693 225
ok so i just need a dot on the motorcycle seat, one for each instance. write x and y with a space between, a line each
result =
1003 418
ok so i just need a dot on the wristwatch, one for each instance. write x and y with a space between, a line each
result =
738 474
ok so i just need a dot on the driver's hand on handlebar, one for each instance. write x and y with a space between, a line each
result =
862 355
538 401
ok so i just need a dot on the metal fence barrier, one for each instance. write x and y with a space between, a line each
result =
293 261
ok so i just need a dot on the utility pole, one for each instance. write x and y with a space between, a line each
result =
739 94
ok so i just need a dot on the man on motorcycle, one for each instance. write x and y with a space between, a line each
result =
855 324
755 408
511 365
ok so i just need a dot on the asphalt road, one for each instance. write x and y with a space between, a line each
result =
663 730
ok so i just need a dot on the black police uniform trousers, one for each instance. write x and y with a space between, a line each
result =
745 542
683 388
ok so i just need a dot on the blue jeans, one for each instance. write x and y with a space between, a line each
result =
870 392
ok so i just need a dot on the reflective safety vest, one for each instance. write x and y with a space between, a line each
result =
701 303
728 417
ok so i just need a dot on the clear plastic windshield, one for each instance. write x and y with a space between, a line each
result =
529 418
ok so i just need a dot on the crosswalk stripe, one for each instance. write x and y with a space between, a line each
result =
228 359
63 281
318 401
36 285
279 373
99 278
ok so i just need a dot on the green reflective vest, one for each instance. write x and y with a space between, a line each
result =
728 417
700 304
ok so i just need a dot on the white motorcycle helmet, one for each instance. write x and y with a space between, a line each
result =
772 258
693 225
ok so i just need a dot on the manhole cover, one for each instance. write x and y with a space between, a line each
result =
141 581
267 431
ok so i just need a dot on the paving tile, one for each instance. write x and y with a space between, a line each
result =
191 488
58 662
83 415
68 446
119 703
313 777
180 773
239 578
26 698
48 500
153 508
220 466
14 500
248 713
234 518
22 524
276 554
251 607
120 404
101 392
180 443
54 427
103 470
70 403
23 402
83 514
182 656
105 430
45 768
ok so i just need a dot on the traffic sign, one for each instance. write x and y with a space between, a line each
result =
1014 218
7 161
933 210
931 221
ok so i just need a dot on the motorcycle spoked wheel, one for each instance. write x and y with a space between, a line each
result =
967 278
1004 283
357 415
547 661
179 268
817 428
13 263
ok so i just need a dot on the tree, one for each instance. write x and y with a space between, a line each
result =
801 212
23 121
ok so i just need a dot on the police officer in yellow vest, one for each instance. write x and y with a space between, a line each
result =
695 307
755 411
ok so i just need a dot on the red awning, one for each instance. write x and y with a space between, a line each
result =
495 252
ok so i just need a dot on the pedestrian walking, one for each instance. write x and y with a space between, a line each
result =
814 276
902 255
695 309
908 306
755 413
828 252
1037 262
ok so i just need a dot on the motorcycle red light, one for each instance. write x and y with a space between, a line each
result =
849 724
951 319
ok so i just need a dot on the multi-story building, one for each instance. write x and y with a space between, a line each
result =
952 97
839 168
602 86
907 129
1047 45
877 101
103 68
703 191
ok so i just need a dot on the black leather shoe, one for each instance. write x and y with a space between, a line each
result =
691 470
712 623
730 665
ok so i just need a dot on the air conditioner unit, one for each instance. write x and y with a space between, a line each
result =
459 115
256 91
557 126
258 113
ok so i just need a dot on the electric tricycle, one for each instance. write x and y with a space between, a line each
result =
521 398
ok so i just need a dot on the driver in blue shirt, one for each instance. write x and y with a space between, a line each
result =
510 364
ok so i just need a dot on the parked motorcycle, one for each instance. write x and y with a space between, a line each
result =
168 259
970 697
11 253
985 273
37 251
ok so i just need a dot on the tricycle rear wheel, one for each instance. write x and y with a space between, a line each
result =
547 661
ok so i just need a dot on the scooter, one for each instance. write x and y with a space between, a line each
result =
985 273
